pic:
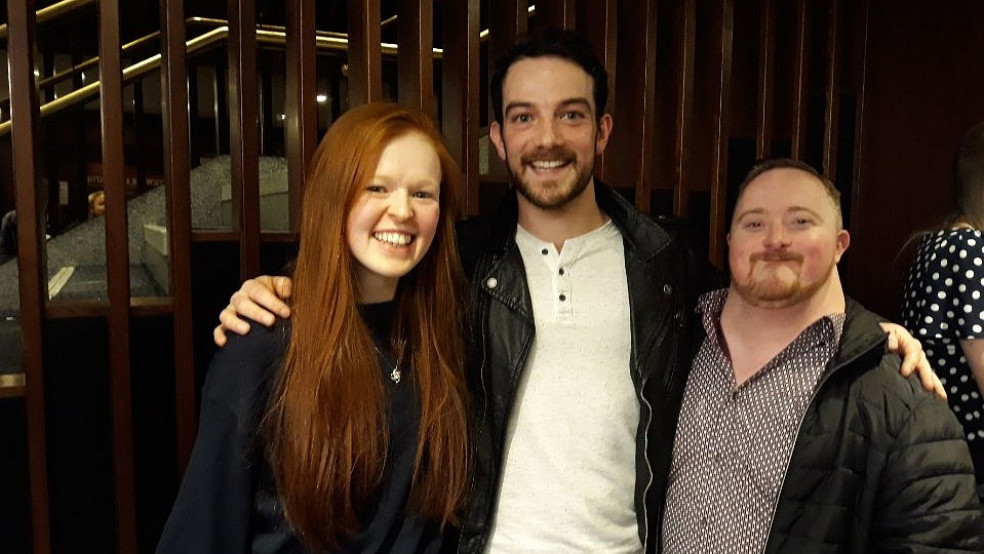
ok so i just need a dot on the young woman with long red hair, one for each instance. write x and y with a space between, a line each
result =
345 430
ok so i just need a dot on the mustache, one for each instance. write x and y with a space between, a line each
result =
776 256
546 154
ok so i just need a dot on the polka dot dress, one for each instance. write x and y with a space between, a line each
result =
944 303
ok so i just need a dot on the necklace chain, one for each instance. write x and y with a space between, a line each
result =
395 375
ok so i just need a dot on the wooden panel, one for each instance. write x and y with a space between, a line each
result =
177 167
117 272
556 13
721 25
302 108
415 28
244 133
831 97
24 118
460 94
599 23
364 54
766 78
508 20
801 78
634 137
909 134
683 136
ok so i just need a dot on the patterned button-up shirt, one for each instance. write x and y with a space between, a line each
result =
733 443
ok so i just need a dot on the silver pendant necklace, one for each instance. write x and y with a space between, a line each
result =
396 374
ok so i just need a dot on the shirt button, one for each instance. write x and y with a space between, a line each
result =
563 297
667 289
561 271
544 251
492 282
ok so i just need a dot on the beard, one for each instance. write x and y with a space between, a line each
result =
776 286
552 195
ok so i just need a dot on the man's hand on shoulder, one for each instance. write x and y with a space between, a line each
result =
260 299
913 357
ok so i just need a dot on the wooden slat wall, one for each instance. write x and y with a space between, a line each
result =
460 82
365 53
117 272
599 22
177 183
24 117
685 18
244 133
636 83
721 27
766 78
302 108
832 91
556 13
801 79
415 29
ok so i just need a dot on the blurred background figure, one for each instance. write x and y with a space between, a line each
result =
942 300
97 203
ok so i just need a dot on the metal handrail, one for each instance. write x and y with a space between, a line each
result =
53 11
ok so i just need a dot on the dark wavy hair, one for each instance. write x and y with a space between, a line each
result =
558 43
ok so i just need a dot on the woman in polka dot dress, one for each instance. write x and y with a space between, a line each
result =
943 303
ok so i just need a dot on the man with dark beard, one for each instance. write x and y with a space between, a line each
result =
795 433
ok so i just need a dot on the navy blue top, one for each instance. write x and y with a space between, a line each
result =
227 501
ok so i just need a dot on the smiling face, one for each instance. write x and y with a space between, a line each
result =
393 221
785 240
550 133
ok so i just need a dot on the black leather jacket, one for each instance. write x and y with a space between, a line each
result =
663 284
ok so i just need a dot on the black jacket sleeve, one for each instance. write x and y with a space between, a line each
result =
213 508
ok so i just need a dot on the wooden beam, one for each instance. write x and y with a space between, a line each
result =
244 133
364 52
415 57
177 188
801 78
831 112
766 78
24 118
302 107
460 83
724 31
599 23
117 272
683 136
556 13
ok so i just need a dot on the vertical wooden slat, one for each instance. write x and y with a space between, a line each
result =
177 189
724 24
117 271
364 53
801 74
416 54
302 109
556 13
636 108
460 83
766 78
831 104
507 21
686 18
599 23
244 132
24 119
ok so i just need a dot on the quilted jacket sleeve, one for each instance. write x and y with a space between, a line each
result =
927 500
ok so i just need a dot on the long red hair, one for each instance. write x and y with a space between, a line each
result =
326 427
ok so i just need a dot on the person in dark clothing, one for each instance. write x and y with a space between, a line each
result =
346 430
8 236
795 433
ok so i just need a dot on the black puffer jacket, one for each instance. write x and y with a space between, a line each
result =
663 283
879 464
